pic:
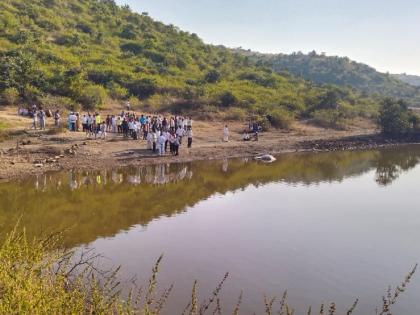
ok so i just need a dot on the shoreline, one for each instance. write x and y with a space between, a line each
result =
73 151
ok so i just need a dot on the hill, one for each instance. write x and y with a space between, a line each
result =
86 51
340 71
408 78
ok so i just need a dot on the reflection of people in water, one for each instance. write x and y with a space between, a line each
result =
73 181
225 165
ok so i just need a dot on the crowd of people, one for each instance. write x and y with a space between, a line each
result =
161 133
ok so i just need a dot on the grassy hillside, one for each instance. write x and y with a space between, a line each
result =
340 71
87 51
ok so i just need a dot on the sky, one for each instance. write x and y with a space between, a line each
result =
382 33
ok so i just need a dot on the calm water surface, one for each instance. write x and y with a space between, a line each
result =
327 227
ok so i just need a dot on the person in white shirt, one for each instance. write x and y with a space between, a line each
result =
57 118
161 143
42 117
72 120
103 128
89 122
172 124
149 140
34 119
180 134
168 137
84 122
114 124
245 136
226 134
136 130
189 136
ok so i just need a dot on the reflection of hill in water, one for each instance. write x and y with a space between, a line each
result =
101 204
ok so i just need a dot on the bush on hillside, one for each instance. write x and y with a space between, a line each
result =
92 97
280 118
143 88
212 76
395 118
116 91
228 99
329 118
10 96
32 94
56 102
235 113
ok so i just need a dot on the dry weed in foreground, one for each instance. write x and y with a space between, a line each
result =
37 278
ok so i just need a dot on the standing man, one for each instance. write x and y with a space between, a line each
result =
180 133
42 117
73 121
189 136
34 118
161 143
57 118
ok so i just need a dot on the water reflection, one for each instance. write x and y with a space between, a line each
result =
102 203
391 165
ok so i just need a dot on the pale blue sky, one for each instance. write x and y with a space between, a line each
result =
382 33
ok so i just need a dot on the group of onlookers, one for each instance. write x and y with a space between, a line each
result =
160 132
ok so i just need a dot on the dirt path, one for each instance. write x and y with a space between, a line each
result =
34 152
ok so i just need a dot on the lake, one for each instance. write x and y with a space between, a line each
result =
325 226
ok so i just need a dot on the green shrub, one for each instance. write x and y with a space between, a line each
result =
280 118
32 94
227 99
10 96
395 118
116 91
56 102
212 76
329 118
143 88
132 47
235 113
92 97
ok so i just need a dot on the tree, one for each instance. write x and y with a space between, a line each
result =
212 76
92 96
329 100
10 96
143 88
18 70
394 117
228 99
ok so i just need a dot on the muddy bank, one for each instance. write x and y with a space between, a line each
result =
362 142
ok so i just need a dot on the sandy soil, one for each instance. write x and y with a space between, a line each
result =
32 152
